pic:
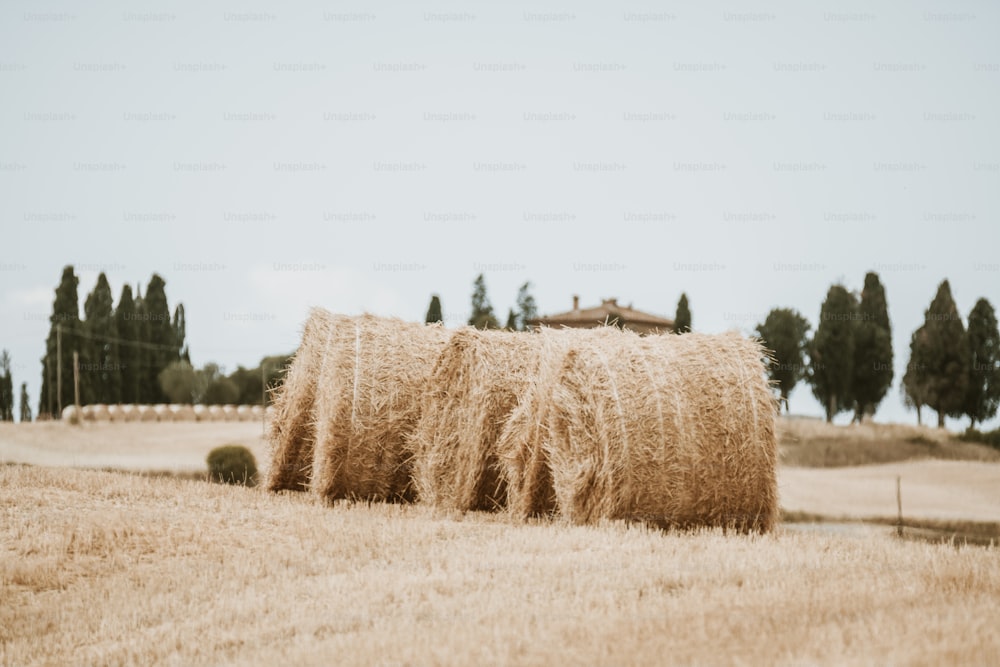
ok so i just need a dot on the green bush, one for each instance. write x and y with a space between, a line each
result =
232 464
991 438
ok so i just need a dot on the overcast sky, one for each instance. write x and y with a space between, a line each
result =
264 158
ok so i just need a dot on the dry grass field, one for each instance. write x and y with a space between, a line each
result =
118 569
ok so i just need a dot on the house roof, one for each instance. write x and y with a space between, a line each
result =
609 311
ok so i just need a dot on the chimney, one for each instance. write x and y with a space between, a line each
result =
576 302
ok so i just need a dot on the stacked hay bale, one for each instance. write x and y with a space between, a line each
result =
292 427
669 430
372 375
348 404
588 424
473 389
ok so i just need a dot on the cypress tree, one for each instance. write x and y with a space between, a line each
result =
482 311
434 315
65 317
831 352
784 332
873 370
947 356
983 396
915 378
527 309
682 320
25 405
100 374
127 329
160 335
6 389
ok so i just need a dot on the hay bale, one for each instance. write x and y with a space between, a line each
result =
182 413
71 415
244 413
87 413
146 413
201 413
670 430
372 375
229 413
256 412
215 413
521 445
292 422
99 413
115 413
162 412
474 387
129 413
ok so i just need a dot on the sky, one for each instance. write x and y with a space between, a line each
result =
266 158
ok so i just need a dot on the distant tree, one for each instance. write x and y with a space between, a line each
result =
218 389
947 356
25 404
983 396
434 315
511 324
161 335
482 311
65 318
128 330
6 389
527 309
872 368
831 352
915 379
785 332
682 320
100 379
275 367
145 357
179 382
179 326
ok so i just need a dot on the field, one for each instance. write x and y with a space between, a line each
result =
104 567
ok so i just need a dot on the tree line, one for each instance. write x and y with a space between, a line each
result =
132 351
848 362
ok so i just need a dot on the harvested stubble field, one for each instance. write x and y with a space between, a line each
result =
113 568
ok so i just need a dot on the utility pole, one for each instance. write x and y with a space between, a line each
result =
59 368
76 382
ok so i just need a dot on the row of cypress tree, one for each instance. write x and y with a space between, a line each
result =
848 362
122 348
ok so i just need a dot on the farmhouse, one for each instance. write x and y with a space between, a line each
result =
610 312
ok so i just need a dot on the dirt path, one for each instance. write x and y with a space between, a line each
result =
930 489
180 447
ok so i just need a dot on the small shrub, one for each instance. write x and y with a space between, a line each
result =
232 464
991 438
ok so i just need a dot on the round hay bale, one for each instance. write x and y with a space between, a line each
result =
244 413
129 413
677 431
87 413
146 413
372 375
473 389
162 412
256 412
99 413
521 445
216 414
182 413
201 413
291 432
71 414
115 413
229 413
